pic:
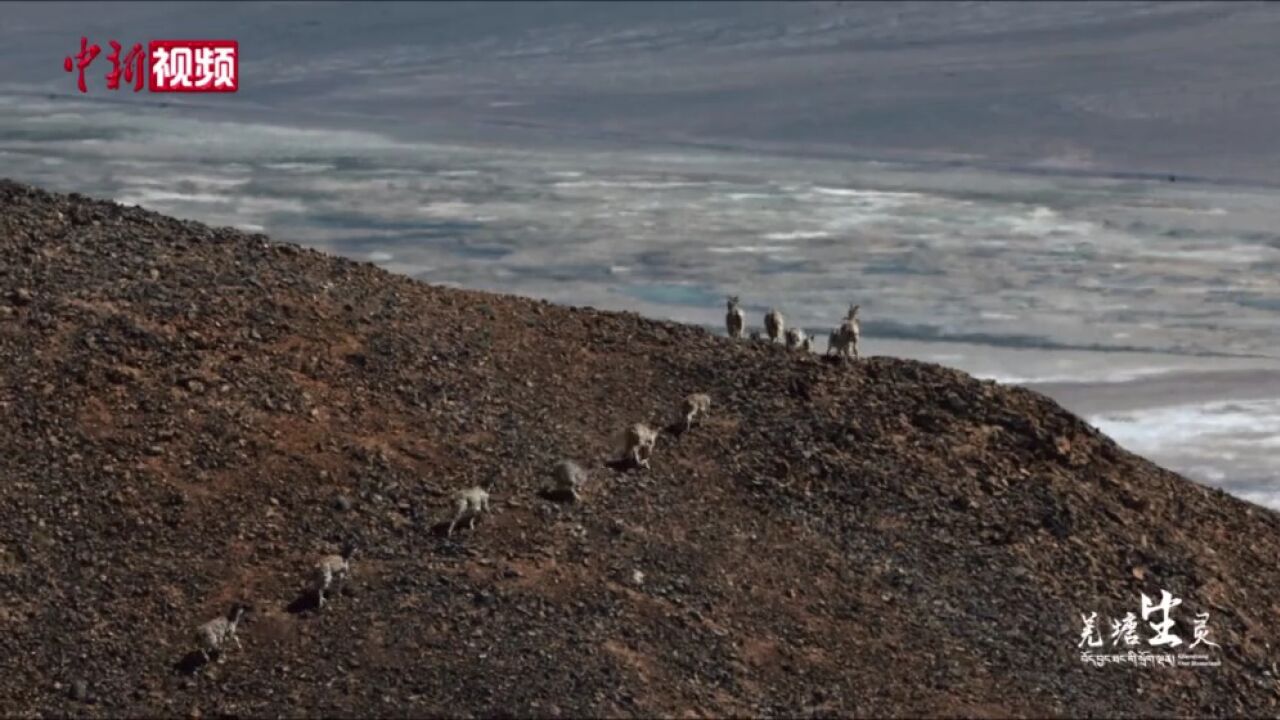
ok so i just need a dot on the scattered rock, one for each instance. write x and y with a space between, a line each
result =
79 691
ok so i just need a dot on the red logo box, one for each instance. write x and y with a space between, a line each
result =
197 66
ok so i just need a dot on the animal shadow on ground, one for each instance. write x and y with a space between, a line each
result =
306 600
441 528
675 429
556 495
190 663
625 464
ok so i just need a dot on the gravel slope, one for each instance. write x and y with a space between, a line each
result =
191 415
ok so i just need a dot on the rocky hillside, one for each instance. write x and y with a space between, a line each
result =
190 416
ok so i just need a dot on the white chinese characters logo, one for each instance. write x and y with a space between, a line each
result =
1124 632
194 66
